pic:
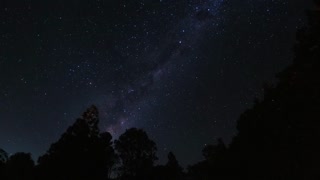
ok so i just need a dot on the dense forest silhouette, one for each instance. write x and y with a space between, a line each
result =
277 138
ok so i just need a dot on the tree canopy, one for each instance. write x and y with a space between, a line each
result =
81 152
137 153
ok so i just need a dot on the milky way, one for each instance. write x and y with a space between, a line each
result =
182 70
182 37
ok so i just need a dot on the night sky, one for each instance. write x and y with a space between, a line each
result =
183 70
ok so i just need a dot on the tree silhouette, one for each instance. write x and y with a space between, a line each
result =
215 165
173 164
20 166
137 154
213 152
81 152
3 156
199 171
173 168
278 137
3 160
170 171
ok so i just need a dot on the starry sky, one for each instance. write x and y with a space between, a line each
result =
183 70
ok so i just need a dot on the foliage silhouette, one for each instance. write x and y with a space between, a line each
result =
278 137
3 160
3 156
170 171
215 165
81 152
173 164
213 152
137 154
20 166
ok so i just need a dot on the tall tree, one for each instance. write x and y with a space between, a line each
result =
81 152
173 168
137 154
278 137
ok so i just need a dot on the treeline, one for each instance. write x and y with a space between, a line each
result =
83 152
278 138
